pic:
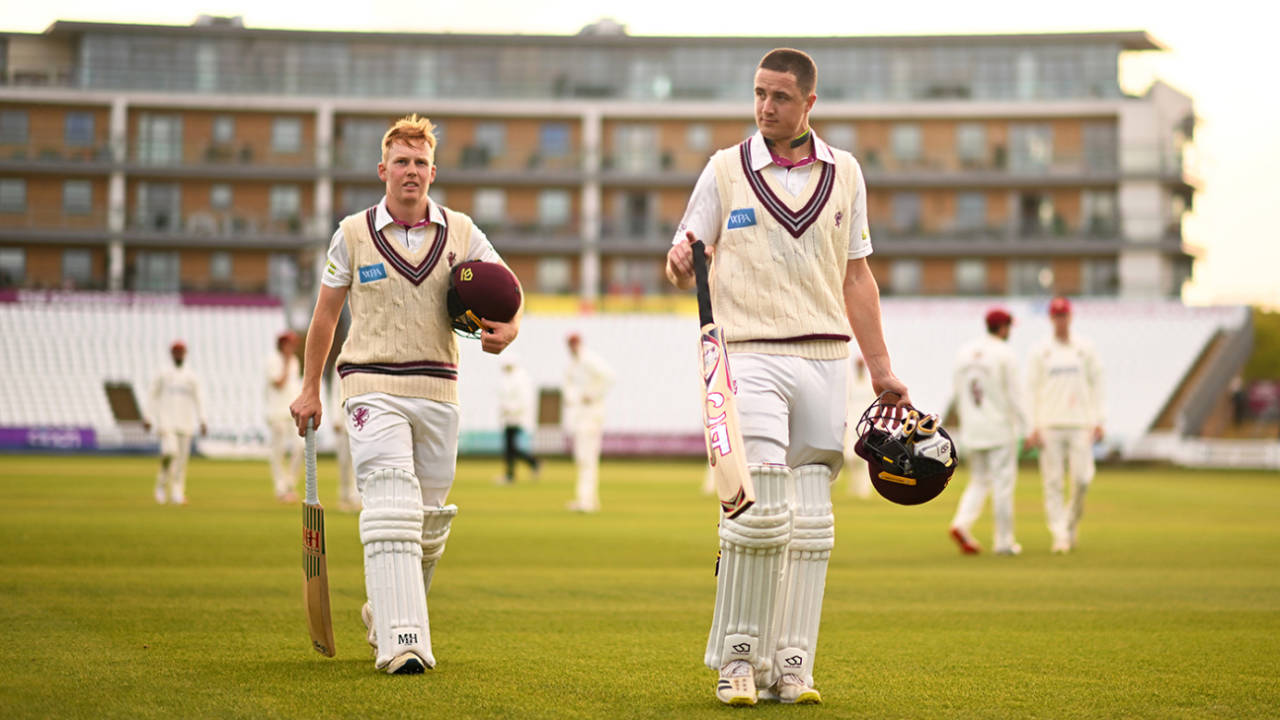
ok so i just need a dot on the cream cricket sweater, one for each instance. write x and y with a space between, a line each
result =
401 341
778 272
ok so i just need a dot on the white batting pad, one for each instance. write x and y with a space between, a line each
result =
391 530
750 567
805 575
436 522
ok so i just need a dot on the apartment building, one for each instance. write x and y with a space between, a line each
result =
214 157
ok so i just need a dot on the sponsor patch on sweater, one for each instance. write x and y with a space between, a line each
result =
740 218
371 273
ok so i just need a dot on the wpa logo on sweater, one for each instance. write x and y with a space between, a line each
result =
370 273
740 218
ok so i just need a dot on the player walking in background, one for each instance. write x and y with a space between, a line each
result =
175 410
515 405
1065 378
786 216
860 396
586 382
399 370
284 454
348 495
988 400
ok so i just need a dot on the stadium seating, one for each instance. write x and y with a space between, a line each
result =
59 350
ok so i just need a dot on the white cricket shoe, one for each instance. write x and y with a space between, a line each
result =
1013 550
1060 547
737 684
407 663
792 690
160 496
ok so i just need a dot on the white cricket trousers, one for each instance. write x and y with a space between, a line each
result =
415 435
991 471
1075 447
587 437
284 456
790 410
175 447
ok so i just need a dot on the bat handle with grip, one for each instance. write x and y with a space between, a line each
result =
700 279
313 493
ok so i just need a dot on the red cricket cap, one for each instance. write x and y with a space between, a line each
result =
1059 306
177 345
997 318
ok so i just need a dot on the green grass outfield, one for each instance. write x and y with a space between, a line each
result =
112 606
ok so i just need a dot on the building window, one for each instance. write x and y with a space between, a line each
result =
1100 218
971 212
698 137
906 143
438 196
220 268
13 267
224 129
553 140
971 277
553 208
357 198
490 206
77 197
906 277
633 276
13 195
635 211
1100 277
555 275
635 148
13 127
159 206
78 129
840 135
282 275
971 144
77 268
159 139
1036 216
158 271
1031 147
906 212
220 196
1101 147
286 135
1030 277
362 142
285 202
492 136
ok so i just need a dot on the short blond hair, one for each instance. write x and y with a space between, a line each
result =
411 129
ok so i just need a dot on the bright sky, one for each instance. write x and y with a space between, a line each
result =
1221 60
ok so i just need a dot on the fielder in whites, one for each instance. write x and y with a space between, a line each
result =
348 495
175 410
987 397
399 372
515 408
1065 380
784 216
283 381
860 396
586 382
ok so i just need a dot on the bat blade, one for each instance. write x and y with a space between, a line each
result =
315 568
721 429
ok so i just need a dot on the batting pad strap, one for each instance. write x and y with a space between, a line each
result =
436 523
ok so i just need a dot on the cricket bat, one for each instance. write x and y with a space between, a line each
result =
315 570
723 434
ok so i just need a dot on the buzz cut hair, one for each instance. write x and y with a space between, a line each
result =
411 129
796 62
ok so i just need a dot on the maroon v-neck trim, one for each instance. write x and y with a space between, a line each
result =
414 273
797 221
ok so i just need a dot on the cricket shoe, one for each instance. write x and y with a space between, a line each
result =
968 544
737 684
1013 550
1060 547
792 690
161 498
407 663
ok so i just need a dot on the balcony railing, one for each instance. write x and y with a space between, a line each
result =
219 154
